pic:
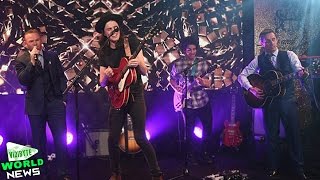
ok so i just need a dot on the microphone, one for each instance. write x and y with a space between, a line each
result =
116 29
36 58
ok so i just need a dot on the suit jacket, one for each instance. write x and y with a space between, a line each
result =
31 77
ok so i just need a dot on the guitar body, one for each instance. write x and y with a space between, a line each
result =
268 83
129 144
232 136
118 84
133 147
123 72
117 98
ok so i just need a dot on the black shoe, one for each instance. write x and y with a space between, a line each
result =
274 174
65 177
302 176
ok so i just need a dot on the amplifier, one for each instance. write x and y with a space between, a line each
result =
96 142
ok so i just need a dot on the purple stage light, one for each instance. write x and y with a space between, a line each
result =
198 132
1 139
69 138
148 135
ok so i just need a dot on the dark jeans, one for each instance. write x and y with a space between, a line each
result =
136 108
55 115
205 116
287 111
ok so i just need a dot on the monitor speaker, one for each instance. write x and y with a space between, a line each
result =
96 143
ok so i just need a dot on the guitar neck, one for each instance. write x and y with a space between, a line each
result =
283 79
135 54
233 109
151 33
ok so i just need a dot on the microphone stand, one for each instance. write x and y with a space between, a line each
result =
186 135
74 83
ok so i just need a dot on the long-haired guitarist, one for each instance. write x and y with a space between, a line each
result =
272 64
189 75
113 48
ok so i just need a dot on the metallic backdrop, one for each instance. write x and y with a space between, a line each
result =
68 28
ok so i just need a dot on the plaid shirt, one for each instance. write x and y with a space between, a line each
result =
199 98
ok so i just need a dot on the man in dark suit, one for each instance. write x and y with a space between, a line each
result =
42 74
282 108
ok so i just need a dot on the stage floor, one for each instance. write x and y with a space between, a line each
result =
250 160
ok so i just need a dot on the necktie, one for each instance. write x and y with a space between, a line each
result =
268 56
40 58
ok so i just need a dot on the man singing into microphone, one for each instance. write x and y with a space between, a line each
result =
42 74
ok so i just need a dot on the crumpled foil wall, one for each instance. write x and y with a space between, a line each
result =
68 28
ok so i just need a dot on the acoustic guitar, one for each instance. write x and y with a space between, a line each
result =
232 136
129 144
270 83
124 76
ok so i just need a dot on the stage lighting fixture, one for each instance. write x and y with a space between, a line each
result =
198 132
148 135
69 138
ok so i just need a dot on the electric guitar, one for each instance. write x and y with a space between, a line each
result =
232 136
179 99
270 83
118 84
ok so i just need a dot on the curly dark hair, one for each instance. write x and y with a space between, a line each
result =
187 41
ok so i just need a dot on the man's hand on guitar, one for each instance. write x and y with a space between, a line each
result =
303 73
133 63
108 72
203 82
257 92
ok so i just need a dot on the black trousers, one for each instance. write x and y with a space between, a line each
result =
286 111
136 108
205 116
55 115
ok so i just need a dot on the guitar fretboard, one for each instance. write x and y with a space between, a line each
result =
283 79
233 108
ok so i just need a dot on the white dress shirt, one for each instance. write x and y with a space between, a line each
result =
253 67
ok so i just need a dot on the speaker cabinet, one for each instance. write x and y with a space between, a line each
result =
96 143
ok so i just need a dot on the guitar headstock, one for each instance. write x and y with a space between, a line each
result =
212 67
155 30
